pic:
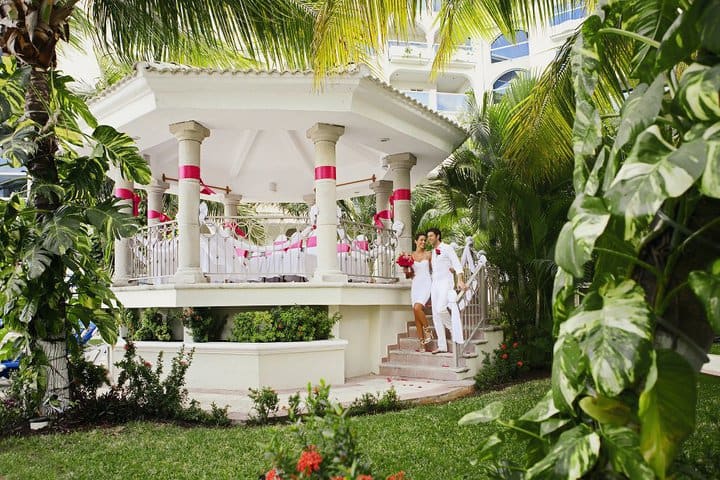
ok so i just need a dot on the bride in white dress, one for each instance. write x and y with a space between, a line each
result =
420 289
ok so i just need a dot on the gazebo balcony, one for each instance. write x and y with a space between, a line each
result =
263 249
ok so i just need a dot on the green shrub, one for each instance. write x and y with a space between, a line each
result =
369 403
283 324
265 403
200 322
506 363
153 326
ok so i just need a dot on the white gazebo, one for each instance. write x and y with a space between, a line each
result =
267 137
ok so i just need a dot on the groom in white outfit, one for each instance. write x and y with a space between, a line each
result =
445 265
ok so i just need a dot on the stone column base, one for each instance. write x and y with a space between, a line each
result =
190 275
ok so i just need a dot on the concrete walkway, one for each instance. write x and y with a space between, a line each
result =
713 366
417 391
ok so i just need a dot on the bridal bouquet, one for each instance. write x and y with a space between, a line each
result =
406 262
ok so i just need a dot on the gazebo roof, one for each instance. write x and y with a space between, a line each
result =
258 120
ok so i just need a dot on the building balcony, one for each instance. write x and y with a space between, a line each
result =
416 53
449 104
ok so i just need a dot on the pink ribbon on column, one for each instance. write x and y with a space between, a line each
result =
193 172
161 217
127 194
401 194
325 173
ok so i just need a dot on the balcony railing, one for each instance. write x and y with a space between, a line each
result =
412 51
269 248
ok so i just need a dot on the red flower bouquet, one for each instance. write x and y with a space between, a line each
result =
405 261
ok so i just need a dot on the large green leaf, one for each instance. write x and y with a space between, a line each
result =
563 297
122 152
36 261
568 372
623 449
698 94
609 411
588 218
710 182
542 410
487 414
638 112
681 38
653 172
574 454
587 129
109 220
61 232
706 286
666 409
614 328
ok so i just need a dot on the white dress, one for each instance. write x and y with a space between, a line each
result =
422 282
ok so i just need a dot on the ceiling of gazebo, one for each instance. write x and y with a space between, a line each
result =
258 146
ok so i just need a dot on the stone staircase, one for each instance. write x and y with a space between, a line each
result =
403 359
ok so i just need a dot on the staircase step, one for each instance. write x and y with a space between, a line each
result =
413 358
414 343
416 371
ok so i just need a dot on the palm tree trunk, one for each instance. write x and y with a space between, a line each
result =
42 169
516 248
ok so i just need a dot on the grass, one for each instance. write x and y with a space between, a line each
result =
715 349
425 442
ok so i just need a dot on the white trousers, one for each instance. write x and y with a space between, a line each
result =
441 316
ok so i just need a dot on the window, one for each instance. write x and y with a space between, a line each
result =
436 5
501 49
575 13
502 83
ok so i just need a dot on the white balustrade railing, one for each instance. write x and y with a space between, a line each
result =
269 248
154 253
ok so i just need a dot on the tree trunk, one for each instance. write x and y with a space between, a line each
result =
49 323
516 248
57 393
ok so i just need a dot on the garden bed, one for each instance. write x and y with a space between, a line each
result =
239 366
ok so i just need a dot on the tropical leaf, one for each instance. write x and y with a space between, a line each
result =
653 172
699 85
666 409
108 218
487 414
542 410
61 231
563 297
588 218
710 183
36 261
614 329
706 286
623 448
122 152
568 372
553 425
608 411
574 454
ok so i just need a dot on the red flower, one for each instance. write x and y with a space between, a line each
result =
520 363
398 476
148 364
515 344
364 477
127 347
503 347
405 261
504 356
272 475
310 461
437 251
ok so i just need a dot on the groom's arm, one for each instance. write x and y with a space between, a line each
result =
456 267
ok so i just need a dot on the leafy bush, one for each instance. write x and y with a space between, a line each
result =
200 322
265 403
506 363
317 402
329 448
153 326
142 393
369 403
283 324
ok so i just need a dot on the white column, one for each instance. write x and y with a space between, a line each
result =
124 189
190 135
382 189
155 191
230 204
400 165
325 138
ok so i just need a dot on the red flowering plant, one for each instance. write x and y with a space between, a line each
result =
505 364
328 450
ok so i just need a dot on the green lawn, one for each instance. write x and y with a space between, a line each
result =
715 349
425 441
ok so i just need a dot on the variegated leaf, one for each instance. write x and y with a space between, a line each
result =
574 454
488 414
588 218
698 93
706 286
623 448
568 372
667 409
614 329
